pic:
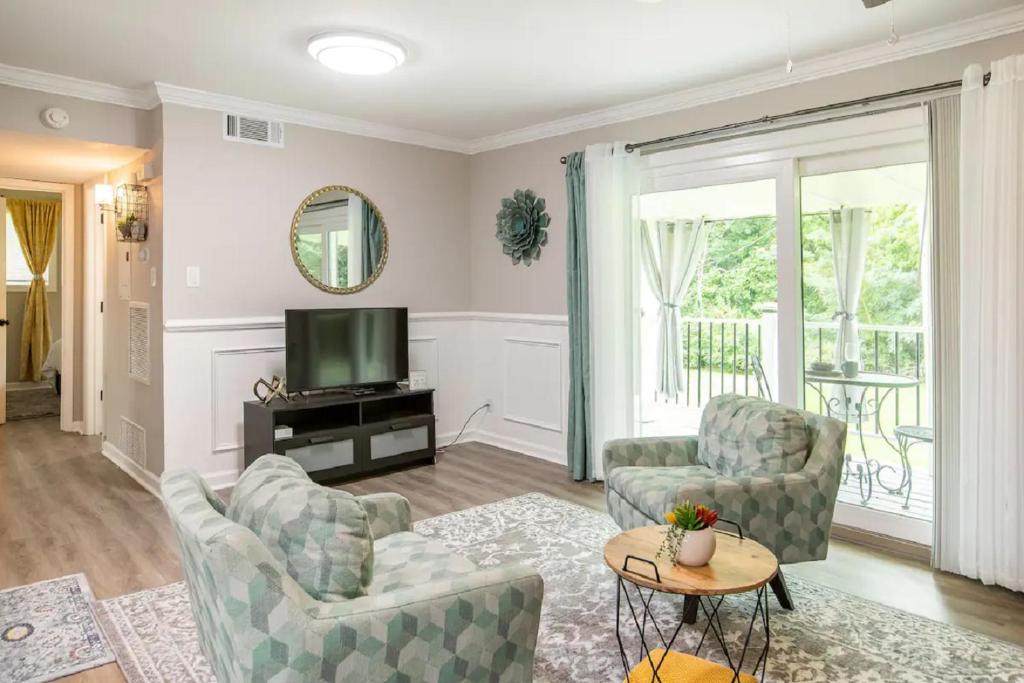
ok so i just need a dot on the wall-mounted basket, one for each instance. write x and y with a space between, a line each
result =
131 213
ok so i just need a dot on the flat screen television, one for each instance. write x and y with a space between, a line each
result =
328 348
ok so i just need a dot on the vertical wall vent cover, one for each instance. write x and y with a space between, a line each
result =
239 128
138 341
133 441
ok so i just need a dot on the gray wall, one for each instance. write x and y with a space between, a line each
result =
230 206
497 285
93 121
123 396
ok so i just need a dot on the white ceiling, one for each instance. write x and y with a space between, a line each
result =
59 160
476 67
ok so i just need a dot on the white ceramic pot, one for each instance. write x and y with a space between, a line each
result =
696 548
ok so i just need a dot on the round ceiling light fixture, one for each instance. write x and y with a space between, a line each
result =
356 53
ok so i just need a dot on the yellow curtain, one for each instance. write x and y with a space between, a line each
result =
35 221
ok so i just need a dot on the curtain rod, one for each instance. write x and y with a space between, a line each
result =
769 119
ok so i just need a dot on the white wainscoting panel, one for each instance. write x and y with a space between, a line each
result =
533 383
211 367
234 372
521 366
425 355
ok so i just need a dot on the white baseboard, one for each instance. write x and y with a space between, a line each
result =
144 477
525 447
78 427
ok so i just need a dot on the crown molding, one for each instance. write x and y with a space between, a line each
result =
991 25
55 84
982 27
200 99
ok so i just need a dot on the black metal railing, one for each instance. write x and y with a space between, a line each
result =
892 349
716 358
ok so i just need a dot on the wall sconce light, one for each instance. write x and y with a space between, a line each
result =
104 195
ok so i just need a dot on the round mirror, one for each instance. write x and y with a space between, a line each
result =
339 240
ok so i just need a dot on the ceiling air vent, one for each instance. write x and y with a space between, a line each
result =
254 131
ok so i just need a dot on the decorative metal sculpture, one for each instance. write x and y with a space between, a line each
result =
275 388
522 226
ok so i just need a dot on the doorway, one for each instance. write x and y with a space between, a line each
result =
37 377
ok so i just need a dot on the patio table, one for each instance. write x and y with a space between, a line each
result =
853 405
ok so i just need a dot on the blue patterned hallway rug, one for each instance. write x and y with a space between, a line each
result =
832 637
47 631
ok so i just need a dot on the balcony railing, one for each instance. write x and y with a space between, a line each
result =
891 349
717 352
716 357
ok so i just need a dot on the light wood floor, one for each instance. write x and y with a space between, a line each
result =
65 509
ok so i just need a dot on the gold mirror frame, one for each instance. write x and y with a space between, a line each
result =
294 238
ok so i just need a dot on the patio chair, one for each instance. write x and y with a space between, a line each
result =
762 379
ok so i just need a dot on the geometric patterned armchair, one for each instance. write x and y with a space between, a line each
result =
429 615
786 507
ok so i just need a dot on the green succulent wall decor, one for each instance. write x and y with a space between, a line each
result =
522 226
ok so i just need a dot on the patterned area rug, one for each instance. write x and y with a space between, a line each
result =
47 631
831 637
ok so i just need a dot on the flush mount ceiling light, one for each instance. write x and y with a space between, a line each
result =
356 53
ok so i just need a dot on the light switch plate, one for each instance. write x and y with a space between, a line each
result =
192 276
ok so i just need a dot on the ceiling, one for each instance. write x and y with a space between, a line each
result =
476 68
59 160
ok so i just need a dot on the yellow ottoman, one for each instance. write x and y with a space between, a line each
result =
683 668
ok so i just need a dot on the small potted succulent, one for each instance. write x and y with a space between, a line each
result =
690 539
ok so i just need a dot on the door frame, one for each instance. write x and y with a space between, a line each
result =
69 211
94 255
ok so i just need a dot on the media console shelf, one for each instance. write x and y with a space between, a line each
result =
341 436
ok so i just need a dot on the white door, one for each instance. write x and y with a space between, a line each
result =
3 312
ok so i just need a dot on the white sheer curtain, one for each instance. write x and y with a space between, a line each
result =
942 322
611 188
671 251
991 539
849 228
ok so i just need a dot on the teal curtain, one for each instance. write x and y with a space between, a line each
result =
373 240
579 447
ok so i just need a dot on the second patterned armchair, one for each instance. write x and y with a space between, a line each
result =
773 470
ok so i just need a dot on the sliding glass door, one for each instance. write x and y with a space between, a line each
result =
791 266
708 293
864 337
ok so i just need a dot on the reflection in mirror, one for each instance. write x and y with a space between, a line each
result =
339 240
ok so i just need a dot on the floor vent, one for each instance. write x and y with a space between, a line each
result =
133 441
138 341
254 131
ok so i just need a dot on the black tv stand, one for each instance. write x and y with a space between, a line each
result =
343 435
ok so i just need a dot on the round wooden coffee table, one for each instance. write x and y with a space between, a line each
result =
740 565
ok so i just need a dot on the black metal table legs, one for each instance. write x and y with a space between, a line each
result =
637 604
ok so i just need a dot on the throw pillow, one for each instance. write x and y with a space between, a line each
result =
320 535
743 436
